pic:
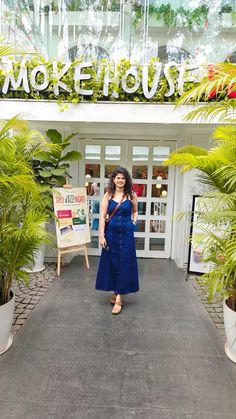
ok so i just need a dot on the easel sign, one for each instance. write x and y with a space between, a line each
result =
72 223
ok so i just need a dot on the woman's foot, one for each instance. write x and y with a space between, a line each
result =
113 298
118 305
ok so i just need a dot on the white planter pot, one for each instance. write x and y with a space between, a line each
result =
226 20
230 332
38 262
6 319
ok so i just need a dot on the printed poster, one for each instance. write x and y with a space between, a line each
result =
71 211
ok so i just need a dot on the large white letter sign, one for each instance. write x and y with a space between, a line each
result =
183 78
108 80
22 77
169 78
149 94
133 72
81 76
58 76
33 76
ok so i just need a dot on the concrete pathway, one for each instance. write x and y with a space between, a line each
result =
161 358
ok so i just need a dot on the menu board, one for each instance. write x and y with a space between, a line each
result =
71 211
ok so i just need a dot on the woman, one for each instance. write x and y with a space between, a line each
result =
118 270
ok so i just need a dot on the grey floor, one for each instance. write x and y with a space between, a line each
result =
161 358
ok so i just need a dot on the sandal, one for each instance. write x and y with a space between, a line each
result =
113 299
117 307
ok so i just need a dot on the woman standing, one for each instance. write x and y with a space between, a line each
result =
118 270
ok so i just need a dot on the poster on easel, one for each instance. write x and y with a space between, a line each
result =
71 211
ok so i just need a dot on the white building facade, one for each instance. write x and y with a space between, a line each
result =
136 135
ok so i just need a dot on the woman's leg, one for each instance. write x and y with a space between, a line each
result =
118 305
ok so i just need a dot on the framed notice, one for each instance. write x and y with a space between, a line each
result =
71 211
196 264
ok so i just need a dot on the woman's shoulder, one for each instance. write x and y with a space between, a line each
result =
107 196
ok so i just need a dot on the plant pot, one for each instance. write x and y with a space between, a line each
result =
38 262
230 332
233 18
226 20
6 319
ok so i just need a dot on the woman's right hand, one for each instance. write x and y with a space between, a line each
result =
102 241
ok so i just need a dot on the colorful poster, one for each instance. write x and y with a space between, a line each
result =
71 211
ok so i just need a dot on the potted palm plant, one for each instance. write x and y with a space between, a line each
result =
22 212
217 214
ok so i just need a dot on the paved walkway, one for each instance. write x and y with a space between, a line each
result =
161 358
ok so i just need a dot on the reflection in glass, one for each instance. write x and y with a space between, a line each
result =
142 208
140 226
159 190
92 170
92 188
94 242
158 208
109 168
160 172
140 189
139 172
140 153
157 243
140 243
157 226
160 153
112 152
92 152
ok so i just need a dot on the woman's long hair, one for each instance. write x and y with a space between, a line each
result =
128 182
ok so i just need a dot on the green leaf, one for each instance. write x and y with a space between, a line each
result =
54 136
45 157
58 172
45 173
72 156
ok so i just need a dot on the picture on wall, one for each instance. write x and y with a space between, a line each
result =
196 264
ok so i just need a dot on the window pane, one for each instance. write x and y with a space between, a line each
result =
158 208
140 153
92 170
139 172
142 208
92 152
157 226
159 190
109 169
157 243
140 243
92 188
160 153
140 226
112 152
94 243
140 189
160 172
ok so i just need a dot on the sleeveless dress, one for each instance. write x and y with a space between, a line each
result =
118 269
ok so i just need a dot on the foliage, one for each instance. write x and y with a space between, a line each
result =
172 17
216 217
51 166
22 204
226 8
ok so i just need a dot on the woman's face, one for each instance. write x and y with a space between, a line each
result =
119 180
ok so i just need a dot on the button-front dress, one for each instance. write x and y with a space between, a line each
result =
118 270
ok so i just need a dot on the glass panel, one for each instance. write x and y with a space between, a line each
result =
92 152
112 152
92 170
157 243
94 224
109 169
139 172
160 153
140 153
158 208
140 189
94 243
157 226
159 190
92 188
159 172
140 243
94 206
142 208
140 226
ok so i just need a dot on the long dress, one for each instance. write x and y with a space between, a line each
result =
118 269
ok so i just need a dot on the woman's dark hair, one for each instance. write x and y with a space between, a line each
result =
128 182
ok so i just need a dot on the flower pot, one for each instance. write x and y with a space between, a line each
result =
230 332
233 18
226 20
6 319
38 265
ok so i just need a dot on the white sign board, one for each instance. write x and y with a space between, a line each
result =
71 211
